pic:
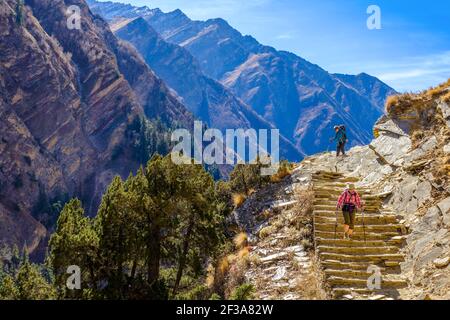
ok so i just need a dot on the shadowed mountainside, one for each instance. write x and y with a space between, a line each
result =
300 98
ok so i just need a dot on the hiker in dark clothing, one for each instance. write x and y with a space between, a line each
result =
341 139
349 202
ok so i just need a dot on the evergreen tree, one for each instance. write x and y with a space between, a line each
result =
19 12
246 177
75 242
31 285
8 288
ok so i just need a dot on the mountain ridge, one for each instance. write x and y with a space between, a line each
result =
283 88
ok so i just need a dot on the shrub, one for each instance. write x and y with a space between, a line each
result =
224 264
245 291
284 170
239 199
307 244
244 253
240 240
197 293
265 232
215 296
391 102
446 97
417 135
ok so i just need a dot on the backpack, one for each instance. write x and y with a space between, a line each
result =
344 134
348 205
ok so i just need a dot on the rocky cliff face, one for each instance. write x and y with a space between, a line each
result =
67 98
300 98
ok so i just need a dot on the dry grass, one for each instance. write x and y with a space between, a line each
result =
312 285
236 276
223 266
417 136
391 102
284 171
307 244
210 276
437 91
443 169
304 205
446 97
238 199
244 253
265 232
240 240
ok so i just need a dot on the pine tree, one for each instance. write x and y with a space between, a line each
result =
8 288
19 12
117 227
31 285
75 242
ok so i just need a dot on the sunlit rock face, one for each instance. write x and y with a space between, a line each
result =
66 99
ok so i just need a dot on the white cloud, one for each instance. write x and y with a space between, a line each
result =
416 73
285 36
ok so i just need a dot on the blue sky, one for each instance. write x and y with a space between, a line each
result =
411 52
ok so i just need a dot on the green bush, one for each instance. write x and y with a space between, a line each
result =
245 291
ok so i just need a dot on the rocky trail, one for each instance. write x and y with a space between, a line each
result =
403 176
376 244
280 263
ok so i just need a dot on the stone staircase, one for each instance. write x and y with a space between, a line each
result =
346 262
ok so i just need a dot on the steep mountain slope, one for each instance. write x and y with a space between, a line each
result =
298 97
67 99
209 100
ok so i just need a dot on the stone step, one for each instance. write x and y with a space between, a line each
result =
333 198
355 243
333 202
362 266
321 185
333 208
356 236
359 228
349 273
371 258
368 219
362 283
334 179
359 250
339 292
332 213
324 193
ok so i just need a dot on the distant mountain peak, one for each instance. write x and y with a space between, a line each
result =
299 97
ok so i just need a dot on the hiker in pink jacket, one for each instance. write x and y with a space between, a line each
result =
349 201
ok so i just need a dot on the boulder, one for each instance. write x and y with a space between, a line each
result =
389 126
442 262
444 206
274 257
423 149
447 148
410 194
428 256
391 148
445 108
280 273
